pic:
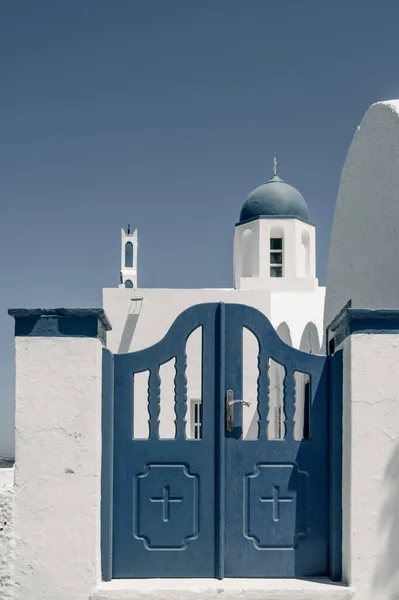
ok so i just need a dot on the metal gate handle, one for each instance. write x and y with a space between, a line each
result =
230 409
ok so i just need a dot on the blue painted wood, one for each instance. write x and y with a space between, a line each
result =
107 457
154 400
223 506
289 403
277 500
181 393
336 397
263 394
220 416
164 490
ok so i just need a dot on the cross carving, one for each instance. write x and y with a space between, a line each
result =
166 500
276 500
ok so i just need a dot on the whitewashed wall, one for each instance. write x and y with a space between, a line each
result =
58 457
371 465
138 324
6 533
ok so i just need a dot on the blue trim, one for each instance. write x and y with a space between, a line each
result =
336 394
107 458
330 342
274 217
220 471
363 320
61 322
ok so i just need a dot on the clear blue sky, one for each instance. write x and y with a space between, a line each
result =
166 114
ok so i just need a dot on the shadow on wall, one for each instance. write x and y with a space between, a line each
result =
386 575
310 341
130 326
284 332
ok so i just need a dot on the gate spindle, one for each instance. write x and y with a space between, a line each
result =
180 394
263 393
154 401
289 402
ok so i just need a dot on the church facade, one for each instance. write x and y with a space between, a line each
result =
274 266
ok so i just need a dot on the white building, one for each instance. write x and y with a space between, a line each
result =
274 271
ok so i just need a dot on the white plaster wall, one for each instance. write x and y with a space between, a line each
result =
241 254
227 589
301 268
297 310
371 466
160 307
156 310
6 533
365 236
57 478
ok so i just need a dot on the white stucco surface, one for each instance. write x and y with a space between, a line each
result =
6 534
365 236
228 589
371 466
57 479
140 323
6 477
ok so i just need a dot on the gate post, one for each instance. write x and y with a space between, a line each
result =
369 340
58 452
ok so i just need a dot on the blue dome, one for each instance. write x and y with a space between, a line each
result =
274 199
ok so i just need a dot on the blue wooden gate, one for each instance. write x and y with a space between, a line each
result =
222 506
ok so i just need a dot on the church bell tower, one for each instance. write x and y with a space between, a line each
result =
129 246
274 242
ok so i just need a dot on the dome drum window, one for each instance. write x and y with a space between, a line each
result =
276 257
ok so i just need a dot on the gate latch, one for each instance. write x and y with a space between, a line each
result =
230 409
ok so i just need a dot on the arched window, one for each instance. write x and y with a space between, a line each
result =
306 252
128 283
128 254
276 252
247 254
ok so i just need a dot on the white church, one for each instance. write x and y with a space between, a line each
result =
274 271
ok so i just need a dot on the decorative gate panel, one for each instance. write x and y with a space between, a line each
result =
277 490
224 505
164 489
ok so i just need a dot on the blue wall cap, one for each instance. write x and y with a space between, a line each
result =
61 322
363 320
